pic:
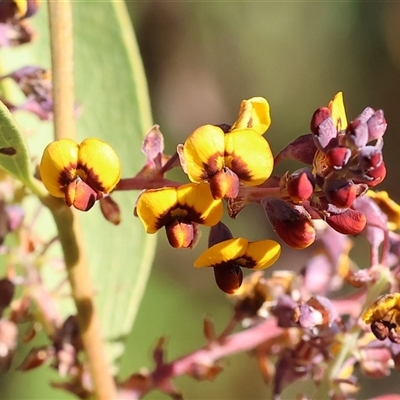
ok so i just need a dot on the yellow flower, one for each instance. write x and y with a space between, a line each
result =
225 158
336 106
384 317
229 256
178 209
388 206
80 173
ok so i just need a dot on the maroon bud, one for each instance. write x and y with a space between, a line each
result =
369 157
376 126
290 222
110 210
6 293
357 134
300 185
377 174
318 117
338 157
229 277
36 357
349 222
219 233
224 183
326 136
180 234
366 114
341 193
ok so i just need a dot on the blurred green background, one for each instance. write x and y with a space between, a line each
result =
201 60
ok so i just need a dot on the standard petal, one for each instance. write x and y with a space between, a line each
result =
153 207
58 165
249 156
264 253
203 151
98 165
223 252
201 207
338 112
254 113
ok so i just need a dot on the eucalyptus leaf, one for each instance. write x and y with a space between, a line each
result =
14 153
111 92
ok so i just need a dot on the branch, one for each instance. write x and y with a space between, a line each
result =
60 18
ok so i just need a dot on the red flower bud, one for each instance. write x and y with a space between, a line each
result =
349 222
290 222
341 193
338 157
300 185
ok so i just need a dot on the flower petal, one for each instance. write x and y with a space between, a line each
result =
197 199
203 151
249 156
253 113
338 112
153 206
388 206
58 165
98 165
223 252
264 253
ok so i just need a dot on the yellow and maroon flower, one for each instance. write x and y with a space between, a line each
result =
384 317
82 173
225 158
179 209
228 257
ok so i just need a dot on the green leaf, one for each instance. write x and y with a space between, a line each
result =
111 90
14 153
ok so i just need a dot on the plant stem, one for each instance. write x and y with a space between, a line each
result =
60 19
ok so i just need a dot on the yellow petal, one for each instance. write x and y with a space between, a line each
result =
155 204
338 112
381 307
203 151
98 165
197 199
253 113
58 165
223 252
249 156
264 253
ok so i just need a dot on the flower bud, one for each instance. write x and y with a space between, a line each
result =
341 193
357 134
228 277
300 185
110 209
338 157
180 234
349 222
290 222
219 233
376 126
318 117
